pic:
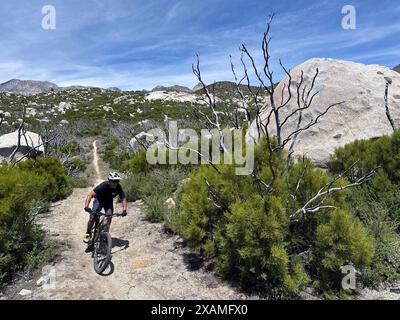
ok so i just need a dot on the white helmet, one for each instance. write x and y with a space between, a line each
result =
114 176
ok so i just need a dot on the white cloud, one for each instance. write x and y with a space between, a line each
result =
173 12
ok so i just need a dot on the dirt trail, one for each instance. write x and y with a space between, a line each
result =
147 263
96 162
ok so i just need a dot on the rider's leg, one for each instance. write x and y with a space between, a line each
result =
109 209
96 208
90 225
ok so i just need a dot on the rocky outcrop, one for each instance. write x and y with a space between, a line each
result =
362 116
172 88
9 142
397 68
114 89
197 87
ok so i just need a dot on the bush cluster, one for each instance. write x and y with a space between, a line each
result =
25 190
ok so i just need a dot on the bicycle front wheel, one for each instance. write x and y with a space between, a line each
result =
102 252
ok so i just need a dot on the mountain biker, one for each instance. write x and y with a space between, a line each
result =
104 194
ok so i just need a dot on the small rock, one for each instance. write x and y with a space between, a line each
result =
25 292
170 203
389 80
41 281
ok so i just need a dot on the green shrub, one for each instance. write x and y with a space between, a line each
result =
114 154
342 241
137 164
78 182
255 236
384 152
379 210
155 209
254 247
25 191
377 203
154 188
53 172
19 237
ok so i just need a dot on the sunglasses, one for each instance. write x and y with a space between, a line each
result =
114 181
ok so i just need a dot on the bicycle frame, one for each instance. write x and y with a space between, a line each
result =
101 225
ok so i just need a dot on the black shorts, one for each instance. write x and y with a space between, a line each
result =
108 207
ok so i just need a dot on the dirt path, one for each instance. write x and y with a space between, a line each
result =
96 162
146 263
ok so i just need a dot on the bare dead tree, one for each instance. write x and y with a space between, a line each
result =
305 95
32 150
388 83
274 125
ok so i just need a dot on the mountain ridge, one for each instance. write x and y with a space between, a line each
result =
33 87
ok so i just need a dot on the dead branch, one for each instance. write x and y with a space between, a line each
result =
245 105
35 148
21 129
214 198
388 83
211 101
327 189
312 123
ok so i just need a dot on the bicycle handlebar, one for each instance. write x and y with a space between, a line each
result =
108 215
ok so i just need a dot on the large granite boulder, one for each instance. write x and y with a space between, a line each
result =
362 116
9 142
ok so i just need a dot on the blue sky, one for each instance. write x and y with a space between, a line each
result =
135 44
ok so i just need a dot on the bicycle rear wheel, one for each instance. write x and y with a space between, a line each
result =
102 252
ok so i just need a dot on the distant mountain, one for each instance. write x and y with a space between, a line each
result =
397 68
28 87
197 87
32 87
172 88
114 89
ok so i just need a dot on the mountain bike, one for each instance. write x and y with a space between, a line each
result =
101 242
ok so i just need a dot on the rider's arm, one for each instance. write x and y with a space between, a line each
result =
89 198
122 196
124 204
